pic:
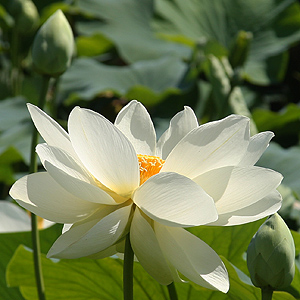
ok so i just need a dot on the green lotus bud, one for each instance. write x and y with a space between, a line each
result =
271 255
25 15
240 49
53 46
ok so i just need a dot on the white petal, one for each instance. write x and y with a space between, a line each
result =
257 145
238 187
112 250
180 125
92 235
50 130
40 194
135 122
175 200
79 188
62 160
192 257
264 207
71 176
66 227
215 182
212 145
13 218
104 150
147 250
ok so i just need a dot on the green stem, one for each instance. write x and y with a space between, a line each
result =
35 134
172 291
266 294
128 270
37 258
34 224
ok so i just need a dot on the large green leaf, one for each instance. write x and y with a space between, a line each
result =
80 279
269 120
9 242
275 25
128 24
86 279
87 78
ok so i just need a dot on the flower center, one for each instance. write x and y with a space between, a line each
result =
149 166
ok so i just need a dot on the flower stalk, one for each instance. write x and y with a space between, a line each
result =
172 291
128 270
266 294
34 224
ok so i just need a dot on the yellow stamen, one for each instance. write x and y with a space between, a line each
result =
149 166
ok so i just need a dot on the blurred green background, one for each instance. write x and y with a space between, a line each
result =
216 56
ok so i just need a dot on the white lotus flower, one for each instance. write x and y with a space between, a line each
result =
108 179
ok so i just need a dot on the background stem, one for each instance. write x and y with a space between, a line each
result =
34 224
128 270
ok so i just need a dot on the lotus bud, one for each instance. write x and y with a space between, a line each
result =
240 49
25 15
53 46
271 255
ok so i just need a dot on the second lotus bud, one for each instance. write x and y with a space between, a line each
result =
271 255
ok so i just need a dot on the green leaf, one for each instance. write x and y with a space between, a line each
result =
266 71
128 24
92 45
86 79
9 242
274 25
269 120
80 279
12 111
86 279
285 161
15 128
7 158
296 237
294 288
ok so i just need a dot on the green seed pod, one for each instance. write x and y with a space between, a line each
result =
25 15
271 255
53 46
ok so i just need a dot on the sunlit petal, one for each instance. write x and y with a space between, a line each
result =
244 186
257 145
104 150
175 200
50 130
264 207
147 250
212 145
62 160
192 257
40 194
180 125
135 122
93 235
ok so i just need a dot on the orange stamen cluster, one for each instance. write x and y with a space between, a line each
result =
149 166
